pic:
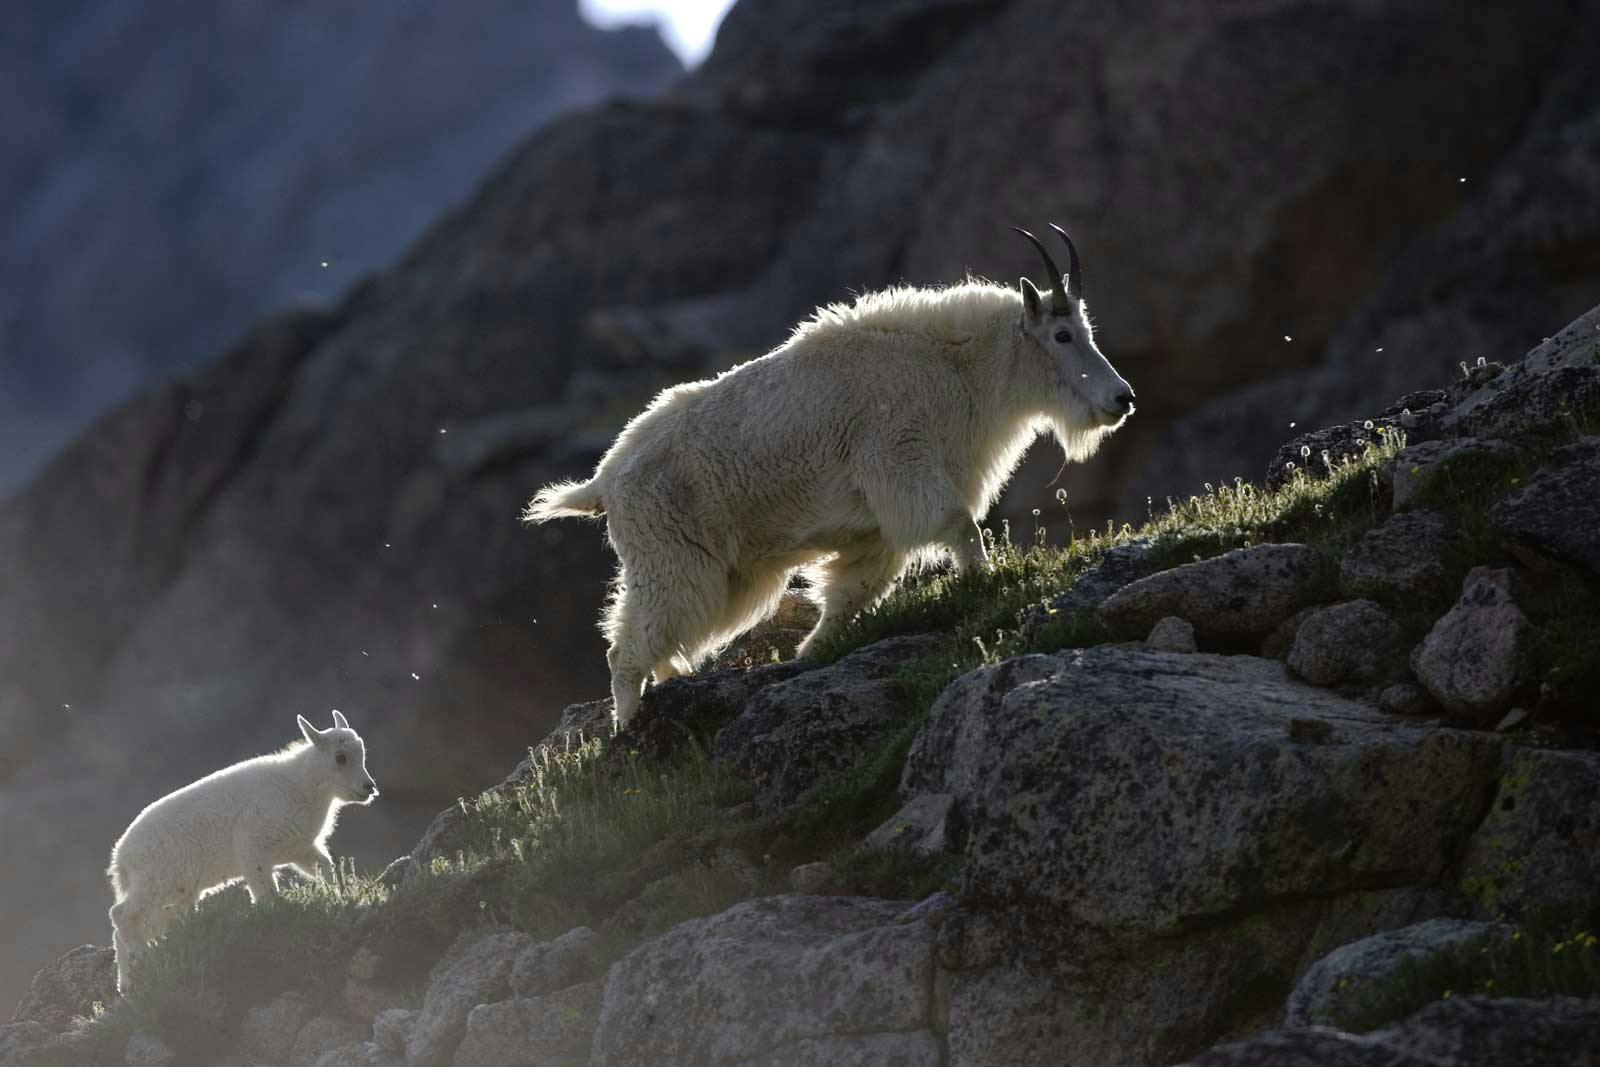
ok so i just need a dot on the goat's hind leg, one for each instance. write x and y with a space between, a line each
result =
126 942
654 621
847 586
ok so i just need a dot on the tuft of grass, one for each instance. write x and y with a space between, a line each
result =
216 962
975 605
1325 504
1556 955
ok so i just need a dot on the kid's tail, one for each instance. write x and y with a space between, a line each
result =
566 500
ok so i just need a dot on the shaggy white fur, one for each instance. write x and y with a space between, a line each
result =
241 822
880 432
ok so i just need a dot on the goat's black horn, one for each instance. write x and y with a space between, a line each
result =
1074 271
1058 298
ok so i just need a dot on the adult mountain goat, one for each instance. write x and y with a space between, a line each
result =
880 432
241 822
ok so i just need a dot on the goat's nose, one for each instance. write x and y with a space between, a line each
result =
1125 399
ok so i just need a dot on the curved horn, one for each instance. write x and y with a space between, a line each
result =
1074 271
1058 298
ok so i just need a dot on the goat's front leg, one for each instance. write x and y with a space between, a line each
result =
963 537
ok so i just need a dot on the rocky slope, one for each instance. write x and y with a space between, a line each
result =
1329 800
172 173
323 516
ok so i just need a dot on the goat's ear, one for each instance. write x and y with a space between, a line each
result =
309 732
1032 302
340 721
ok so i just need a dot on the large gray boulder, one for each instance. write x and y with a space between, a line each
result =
1245 591
795 980
1140 791
791 734
1556 516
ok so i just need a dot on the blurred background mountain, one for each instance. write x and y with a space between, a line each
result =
173 170
1290 212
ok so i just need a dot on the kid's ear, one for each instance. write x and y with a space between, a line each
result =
1032 302
340 721
311 733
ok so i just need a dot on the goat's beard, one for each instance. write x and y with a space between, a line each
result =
1079 439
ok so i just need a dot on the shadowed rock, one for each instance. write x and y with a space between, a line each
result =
1246 591
1469 660
1335 983
1349 642
1401 557
1556 516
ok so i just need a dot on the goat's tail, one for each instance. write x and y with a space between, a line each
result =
566 500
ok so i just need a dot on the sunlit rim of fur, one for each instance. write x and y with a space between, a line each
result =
951 313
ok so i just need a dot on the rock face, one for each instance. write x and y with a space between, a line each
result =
1557 515
1246 591
1082 785
182 201
792 980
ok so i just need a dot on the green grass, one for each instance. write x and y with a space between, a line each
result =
984 613
215 963
1553 956
975 606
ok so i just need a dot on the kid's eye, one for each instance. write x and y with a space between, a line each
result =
1064 336
341 759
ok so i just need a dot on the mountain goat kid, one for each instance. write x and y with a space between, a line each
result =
241 822
879 433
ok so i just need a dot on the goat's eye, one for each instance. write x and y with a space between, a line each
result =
1064 336
341 759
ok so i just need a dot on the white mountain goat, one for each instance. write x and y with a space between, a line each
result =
879 433
241 822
